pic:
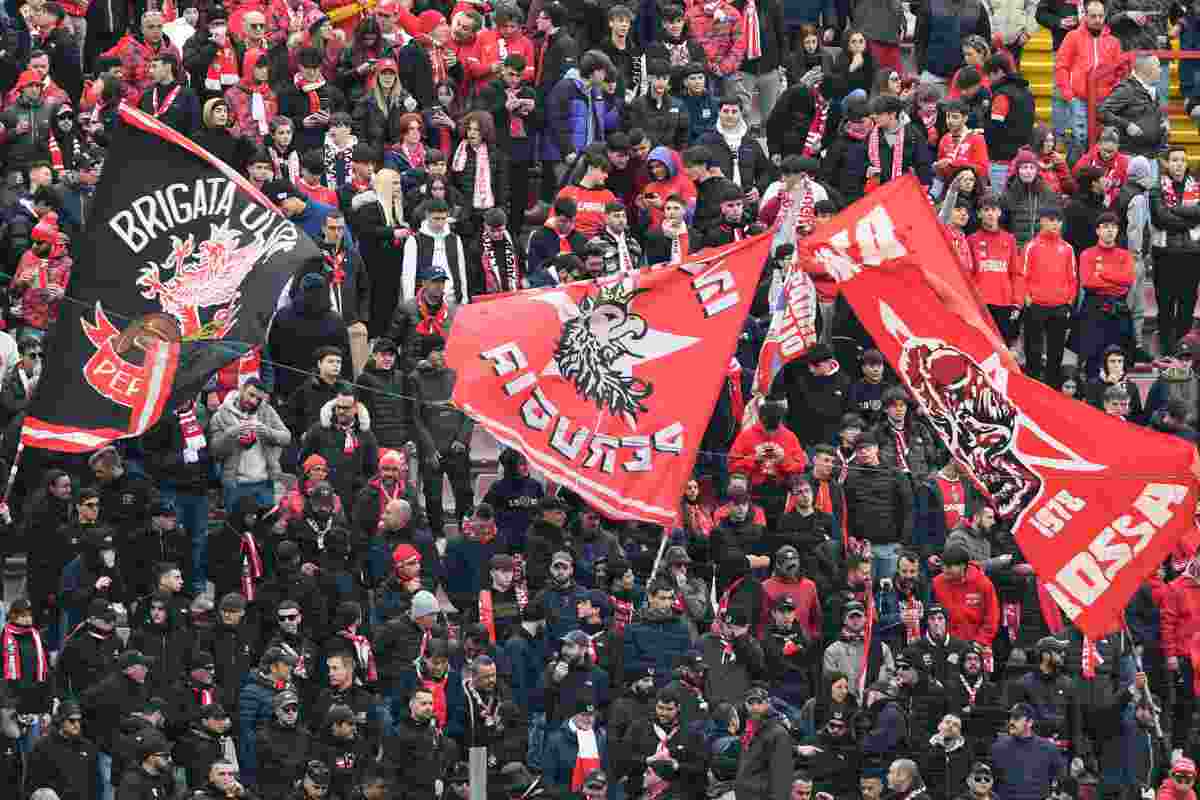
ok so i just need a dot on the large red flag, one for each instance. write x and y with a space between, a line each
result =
1096 502
607 386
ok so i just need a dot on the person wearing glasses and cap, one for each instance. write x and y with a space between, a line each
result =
831 757
152 775
980 782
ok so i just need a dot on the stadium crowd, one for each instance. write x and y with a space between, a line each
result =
838 614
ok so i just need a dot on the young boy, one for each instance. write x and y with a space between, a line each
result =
590 195
959 216
312 167
1106 272
733 226
866 394
960 147
998 268
339 148
701 106
674 239
1051 285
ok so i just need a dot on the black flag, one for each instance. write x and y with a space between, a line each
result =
183 260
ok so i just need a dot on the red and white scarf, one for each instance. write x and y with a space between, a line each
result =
482 196
901 447
414 154
252 566
496 279
653 783
804 209
912 611
193 432
12 653
587 758
928 116
816 128
1190 193
679 242
223 71
431 322
437 62
203 695
516 123
753 34
56 155
897 153
1115 173
310 91
159 110
364 654
969 689
1090 658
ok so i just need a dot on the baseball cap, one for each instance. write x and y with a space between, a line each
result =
405 553
339 713
757 693
596 779
275 655
285 698
853 607
562 557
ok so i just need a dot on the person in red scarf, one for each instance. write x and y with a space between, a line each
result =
26 661
42 276
252 102
673 239
137 51
39 66
311 101
427 60
1105 156
1052 165
390 483
768 452
235 554
960 146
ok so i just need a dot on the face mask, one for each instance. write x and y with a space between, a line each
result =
771 416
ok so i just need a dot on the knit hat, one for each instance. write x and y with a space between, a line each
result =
28 78
1024 156
853 607
233 601
677 555
423 605
314 461
405 553
1183 766
392 458
285 698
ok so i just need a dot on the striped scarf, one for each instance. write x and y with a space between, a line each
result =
12 652
753 32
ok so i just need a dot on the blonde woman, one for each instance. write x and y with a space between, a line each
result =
378 217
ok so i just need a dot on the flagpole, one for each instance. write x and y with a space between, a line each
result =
12 473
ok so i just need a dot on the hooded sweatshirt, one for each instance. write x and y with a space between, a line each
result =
677 182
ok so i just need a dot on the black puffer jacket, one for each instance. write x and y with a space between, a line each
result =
417 756
1022 203
68 766
944 769
666 123
282 754
879 505
22 149
1175 222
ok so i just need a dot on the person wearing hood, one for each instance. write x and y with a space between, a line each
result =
236 555
258 703
216 133
768 453
667 178
443 433
1132 206
248 436
252 102
161 633
732 655
65 761
831 758
514 498
1025 196
284 746
51 535
89 649
313 527
293 613
299 330
98 574
817 394
26 124
788 581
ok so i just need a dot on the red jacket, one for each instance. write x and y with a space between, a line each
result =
1180 617
743 456
998 264
1057 176
1051 274
1106 270
967 150
1169 791
476 71
1078 55
136 54
971 605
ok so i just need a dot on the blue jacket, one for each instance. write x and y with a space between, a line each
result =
254 707
562 748
1133 757
1189 70
702 114
1025 768
654 644
559 605
466 563
528 658
567 118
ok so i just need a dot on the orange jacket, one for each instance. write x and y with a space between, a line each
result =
1106 270
998 265
744 455
1080 54
1051 274
971 605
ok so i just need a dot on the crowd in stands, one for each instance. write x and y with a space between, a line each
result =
267 597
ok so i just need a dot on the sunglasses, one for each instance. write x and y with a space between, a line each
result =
288 617
982 778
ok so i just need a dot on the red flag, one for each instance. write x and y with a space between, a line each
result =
607 386
1096 503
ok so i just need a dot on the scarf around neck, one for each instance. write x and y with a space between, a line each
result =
496 277
897 153
11 648
482 197
432 321
310 90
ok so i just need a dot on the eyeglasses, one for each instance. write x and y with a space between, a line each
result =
982 778
288 617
